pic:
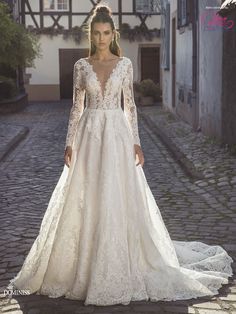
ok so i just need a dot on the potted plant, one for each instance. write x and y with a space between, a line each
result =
125 30
7 87
19 47
150 92
137 92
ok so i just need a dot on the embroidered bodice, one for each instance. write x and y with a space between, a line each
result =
102 96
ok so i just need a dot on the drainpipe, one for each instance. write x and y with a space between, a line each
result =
195 63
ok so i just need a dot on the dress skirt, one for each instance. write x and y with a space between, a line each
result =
103 239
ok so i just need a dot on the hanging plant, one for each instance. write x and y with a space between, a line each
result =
48 31
125 30
138 33
75 32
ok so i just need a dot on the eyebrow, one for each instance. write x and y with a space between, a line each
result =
107 30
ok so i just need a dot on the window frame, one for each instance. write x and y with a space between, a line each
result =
149 12
182 13
56 7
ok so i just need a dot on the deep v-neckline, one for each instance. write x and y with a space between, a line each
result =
103 92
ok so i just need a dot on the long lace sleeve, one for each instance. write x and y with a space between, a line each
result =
130 109
77 105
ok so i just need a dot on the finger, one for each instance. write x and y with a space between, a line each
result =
141 159
138 159
67 160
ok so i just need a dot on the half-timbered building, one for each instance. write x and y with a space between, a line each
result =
60 26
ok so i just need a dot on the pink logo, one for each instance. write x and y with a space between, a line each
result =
211 21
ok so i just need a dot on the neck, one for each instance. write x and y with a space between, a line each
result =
102 55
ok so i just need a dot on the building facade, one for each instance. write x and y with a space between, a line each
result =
55 21
199 51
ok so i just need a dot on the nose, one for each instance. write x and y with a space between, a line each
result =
101 37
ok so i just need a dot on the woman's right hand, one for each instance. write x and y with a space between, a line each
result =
68 155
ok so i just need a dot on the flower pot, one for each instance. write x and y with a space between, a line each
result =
146 100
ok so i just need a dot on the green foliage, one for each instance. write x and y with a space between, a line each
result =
149 88
138 33
18 46
8 87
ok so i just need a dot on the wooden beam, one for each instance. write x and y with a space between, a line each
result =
22 13
80 13
120 13
70 15
56 19
31 13
41 13
91 11
143 18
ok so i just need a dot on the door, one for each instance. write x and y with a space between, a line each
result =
150 63
67 59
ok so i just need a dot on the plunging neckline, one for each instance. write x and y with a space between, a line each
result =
103 92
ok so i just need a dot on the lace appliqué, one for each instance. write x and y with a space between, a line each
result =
86 79
129 104
78 103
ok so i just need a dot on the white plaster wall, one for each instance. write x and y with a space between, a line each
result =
46 69
167 74
210 71
86 6
184 58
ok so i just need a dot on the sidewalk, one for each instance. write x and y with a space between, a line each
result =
200 156
10 136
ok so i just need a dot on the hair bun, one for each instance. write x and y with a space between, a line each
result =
103 9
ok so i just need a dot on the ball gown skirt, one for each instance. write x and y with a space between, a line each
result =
103 239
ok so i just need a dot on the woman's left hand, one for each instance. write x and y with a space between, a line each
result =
138 151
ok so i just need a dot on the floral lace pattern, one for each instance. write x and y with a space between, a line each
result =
86 79
102 238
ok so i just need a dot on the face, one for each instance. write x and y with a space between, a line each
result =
102 35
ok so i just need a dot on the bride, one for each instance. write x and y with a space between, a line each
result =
102 238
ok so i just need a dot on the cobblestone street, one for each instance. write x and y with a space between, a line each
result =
194 208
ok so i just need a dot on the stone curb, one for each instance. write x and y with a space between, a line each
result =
178 155
12 144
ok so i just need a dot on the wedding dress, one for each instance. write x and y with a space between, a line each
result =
102 238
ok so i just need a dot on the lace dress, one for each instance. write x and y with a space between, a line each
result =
102 238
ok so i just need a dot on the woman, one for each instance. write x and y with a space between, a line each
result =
102 238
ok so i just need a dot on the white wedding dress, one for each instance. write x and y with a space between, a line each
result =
102 238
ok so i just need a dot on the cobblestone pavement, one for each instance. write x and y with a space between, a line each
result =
201 210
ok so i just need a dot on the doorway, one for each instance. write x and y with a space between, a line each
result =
150 63
67 59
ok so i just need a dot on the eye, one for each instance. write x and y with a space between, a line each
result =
95 32
107 32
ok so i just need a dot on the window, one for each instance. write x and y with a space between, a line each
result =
166 56
145 6
187 12
182 13
56 5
